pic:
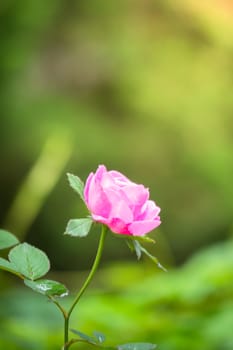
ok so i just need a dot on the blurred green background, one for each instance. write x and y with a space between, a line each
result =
144 87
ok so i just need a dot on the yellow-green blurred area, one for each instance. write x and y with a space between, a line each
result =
144 87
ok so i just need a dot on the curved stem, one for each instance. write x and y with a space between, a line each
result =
63 311
93 269
85 285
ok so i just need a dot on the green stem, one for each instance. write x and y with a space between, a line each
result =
84 287
63 311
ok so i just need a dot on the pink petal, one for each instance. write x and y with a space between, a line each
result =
92 184
101 170
91 181
101 219
115 225
113 195
136 194
107 181
140 228
97 201
152 209
149 211
118 226
87 186
120 210
119 179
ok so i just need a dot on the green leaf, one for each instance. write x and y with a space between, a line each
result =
30 261
47 287
137 248
7 239
77 184
99 336
78 227
7 266
84 336
134 245
137 346
153 258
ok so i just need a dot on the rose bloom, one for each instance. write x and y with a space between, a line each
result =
119 203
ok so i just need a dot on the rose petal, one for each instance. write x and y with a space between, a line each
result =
97 201
135 194
101 170
120 210
87 186
118 226
113 195
92 180
119 179
140 228
101 219
93 184
107 181
149 211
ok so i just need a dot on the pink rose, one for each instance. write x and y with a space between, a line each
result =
119 203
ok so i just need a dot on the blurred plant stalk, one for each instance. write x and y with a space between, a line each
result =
38 184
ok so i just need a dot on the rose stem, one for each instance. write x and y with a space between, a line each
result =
85 285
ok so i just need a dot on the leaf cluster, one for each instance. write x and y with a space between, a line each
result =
30 264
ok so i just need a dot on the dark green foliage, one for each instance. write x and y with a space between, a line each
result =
185 308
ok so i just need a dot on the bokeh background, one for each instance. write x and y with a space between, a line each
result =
144 87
